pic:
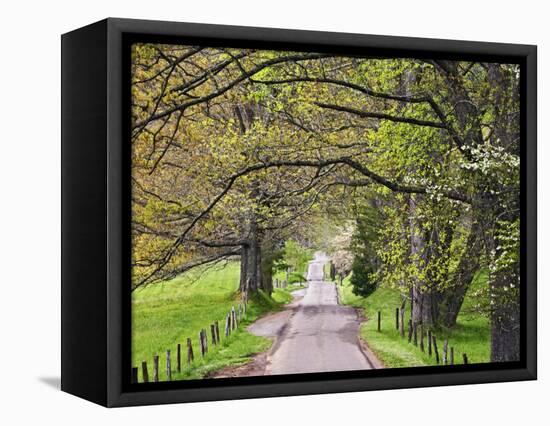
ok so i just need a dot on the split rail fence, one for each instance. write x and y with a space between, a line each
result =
232 320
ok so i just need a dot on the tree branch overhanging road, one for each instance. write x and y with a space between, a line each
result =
235 150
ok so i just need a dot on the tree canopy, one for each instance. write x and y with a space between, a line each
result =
235 151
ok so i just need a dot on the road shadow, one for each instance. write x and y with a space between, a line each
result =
53 382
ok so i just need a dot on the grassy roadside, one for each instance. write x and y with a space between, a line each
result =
284 296
471 334
294 278
166 313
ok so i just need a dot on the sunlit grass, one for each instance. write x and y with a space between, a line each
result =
167 313
471 335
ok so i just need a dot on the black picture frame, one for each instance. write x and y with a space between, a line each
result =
95 213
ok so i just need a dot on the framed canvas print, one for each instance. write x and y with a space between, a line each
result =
253 212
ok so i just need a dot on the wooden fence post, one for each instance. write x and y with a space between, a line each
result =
421 337
436 352
445 345
201 344
465 358
452 361
234 318
227 326
144 372
156 368
430 342
178 360
134 374
168 366
213 334
205 338
379 321
415 334
190 356
402 322
410 330
217 329
397 318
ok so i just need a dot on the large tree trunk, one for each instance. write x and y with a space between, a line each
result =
423 309
266 268
250 262
256 263
505 315
504 312
424 296
504 284
251 257
505 322
453 297
243 283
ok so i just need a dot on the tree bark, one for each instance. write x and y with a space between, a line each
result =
424 300
243 284
469 264
250 261
505 309
505 324
266 265
423 305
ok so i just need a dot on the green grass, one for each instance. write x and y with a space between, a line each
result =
284 296
298 275
166 313
471 335
293 277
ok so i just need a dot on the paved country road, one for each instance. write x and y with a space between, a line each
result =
315 334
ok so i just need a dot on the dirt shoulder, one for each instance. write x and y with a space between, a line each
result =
270 326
